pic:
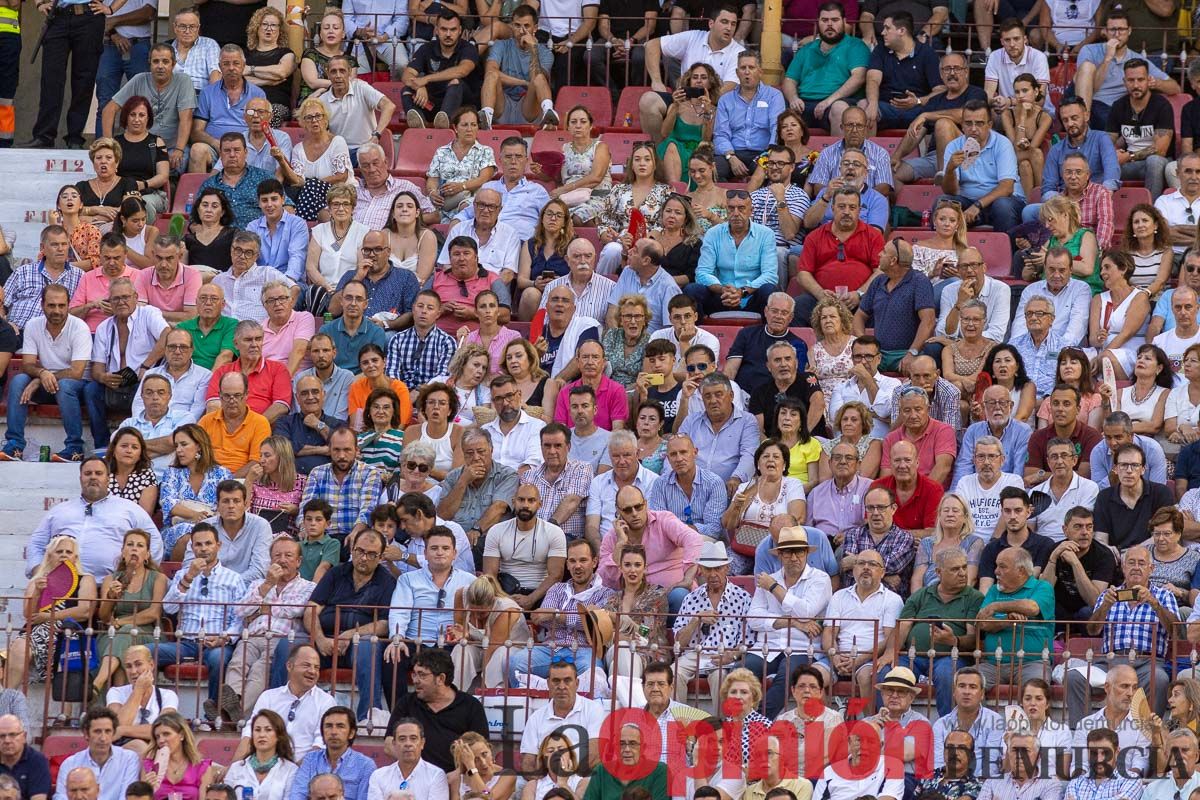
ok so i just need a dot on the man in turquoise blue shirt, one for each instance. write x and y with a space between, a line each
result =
352 331
827 71
1015 619
738 268
987 183
746 118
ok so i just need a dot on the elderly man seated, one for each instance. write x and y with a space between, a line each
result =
1015 619
934 439
269 383
987 185
1147 615
859 623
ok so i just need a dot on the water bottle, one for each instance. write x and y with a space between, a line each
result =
191 199
628 121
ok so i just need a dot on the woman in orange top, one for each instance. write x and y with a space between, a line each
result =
371 360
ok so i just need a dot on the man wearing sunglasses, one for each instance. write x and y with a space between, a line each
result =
204 596
738 268
1163 317
463 281
299 702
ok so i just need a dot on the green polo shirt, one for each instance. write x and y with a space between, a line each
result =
926 604
819 74
313 552
207 346
603 786
1033 637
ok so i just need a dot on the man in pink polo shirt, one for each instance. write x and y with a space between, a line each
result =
169 286
286 331
671 547
612 408
458 285
90 301
934 440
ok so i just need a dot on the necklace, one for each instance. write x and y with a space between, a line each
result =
1133 390
337 240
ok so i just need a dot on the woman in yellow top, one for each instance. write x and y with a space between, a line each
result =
804 449
371 360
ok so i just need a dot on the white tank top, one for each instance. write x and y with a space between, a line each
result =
444 456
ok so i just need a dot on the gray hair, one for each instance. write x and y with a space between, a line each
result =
246 326
473 433
1039 298
9 784
1178 733
949 554
420 449
979 304
119 283
371 147
248 236
269 285
1022 560
991 441
623 436
791 301
233 49
781 343
341 784
1119 418
717 379
166 239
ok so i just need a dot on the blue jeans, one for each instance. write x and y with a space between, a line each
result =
68 398
781 666
215 658
536 661
114 67
93 395
942 676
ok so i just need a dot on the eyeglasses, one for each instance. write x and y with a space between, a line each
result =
947 71
1128 466
1191 216
312 117
462 288
179 347
859 358
370 555
487 206
245 252
1038 314
277 299
441 598
416 466
185 26
841 251
776 162
853 126
970 264
877 509
504 398
204 586
633 509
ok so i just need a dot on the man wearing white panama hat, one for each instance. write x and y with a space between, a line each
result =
786 611
711 626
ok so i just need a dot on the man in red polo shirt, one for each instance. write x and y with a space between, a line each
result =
842 252
933 439
268 383
459 285
917 497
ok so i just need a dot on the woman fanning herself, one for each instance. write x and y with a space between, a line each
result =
34 645
187 775
130 599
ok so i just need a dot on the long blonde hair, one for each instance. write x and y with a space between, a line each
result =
287 461
175 721
44 567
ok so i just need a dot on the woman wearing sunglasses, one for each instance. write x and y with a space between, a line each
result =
416 466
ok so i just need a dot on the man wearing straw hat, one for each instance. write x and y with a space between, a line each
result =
711 626
786 611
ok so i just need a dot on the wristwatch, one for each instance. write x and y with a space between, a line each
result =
376 134
913 352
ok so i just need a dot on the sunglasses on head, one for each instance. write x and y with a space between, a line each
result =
731 194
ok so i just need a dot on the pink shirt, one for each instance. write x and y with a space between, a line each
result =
937 439
499 341
447 288
611 404
277 345
94 286
181 293
671 550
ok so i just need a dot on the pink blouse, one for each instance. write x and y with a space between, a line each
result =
496 348
188 787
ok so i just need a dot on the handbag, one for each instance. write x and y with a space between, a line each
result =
75 664
748 537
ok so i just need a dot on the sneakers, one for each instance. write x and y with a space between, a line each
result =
550 120
67 457
231 704
414 119
485 119
10 453
441 120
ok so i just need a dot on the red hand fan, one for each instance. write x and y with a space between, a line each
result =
637 225
537 324
267 133
982 382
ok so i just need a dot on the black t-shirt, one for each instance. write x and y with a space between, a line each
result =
429 59
114 196
554 342
750 345
215 254
762 401
1039 547
626 17
1099 564
669 400
1189 120
681 260
940 102
344 607
225 22
1127 526
10 340
441 728
280 93
139 160
1137 129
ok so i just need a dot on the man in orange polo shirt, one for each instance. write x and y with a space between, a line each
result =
934 440
270 383
236 430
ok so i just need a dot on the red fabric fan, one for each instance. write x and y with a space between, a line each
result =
60 583
551 162
637 225
982 382
537 324
267 133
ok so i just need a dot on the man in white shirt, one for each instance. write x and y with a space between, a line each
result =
358 112
527 548
684 333
1186 331
880 783
113 768
800 592
1022 778
626 470
974 284
981 488
499 245
590 288
410 773
1184 205
1182 777
868 386
515 442
244 281
860 620
1116 715
300 702
568 712
714 47
1066 488
1015 57
1071 298
138 703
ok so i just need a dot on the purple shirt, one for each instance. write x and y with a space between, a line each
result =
833 510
